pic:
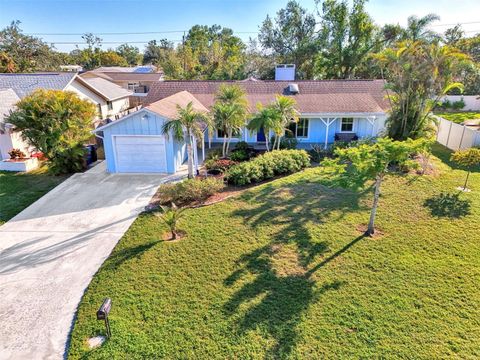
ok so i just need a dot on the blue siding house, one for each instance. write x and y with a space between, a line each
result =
328 110
136 143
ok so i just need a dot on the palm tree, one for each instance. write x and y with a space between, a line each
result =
267 119
230 118
287 113
417 28
230 112
188 125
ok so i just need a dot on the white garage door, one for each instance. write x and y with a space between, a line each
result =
140 154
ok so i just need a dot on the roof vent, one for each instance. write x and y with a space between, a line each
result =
293 88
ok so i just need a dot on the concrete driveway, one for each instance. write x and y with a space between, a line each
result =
50 251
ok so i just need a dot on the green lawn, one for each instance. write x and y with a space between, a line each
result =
283 272
19 190
459 117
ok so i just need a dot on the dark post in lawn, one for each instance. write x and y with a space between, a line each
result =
102 314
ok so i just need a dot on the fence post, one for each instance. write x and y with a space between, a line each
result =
449 131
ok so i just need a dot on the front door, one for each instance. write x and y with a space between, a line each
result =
261 135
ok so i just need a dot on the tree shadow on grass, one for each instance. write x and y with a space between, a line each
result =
283 285
119 257
448 205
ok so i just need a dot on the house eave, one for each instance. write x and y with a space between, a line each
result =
340 114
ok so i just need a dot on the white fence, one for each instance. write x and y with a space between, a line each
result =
472 102
456 136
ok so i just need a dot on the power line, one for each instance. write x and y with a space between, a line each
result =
464 23
128 33
182 31
103 42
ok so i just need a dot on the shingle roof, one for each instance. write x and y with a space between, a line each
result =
315 96
24 84
8 99
107 88
168 107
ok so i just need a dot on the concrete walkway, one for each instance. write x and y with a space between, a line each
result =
50 251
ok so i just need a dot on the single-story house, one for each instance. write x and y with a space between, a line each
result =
329 109
111 100
136 143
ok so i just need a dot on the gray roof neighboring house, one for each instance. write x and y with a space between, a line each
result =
24 84
8 99
108 89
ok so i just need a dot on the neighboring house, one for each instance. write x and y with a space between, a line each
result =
9 139
115 99
109 98
138 83
130 69
136 143
342 109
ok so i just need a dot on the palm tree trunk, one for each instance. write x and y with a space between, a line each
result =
228 142
190 156
376 197
224 148
266 143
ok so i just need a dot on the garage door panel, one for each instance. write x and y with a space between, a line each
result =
140 154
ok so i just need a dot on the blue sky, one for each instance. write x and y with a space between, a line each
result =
80 16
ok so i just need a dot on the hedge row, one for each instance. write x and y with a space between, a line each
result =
268 165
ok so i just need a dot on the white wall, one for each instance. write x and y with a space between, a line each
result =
119 105
12 140
472 102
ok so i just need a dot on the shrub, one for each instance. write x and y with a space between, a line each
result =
219 164
242 145
57 123
16 154
189 191
318 153
214 154
240 155
458 105
286 143
268 165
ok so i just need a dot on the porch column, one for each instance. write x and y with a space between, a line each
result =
371 120
203 150
327 122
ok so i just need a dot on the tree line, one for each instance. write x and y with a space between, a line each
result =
336 41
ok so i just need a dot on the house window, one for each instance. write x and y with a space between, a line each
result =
347 125
132 86
298 130
221 133
110 105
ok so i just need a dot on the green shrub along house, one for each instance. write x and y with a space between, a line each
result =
329 110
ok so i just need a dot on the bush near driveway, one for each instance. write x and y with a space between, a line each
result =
268 165
189 191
